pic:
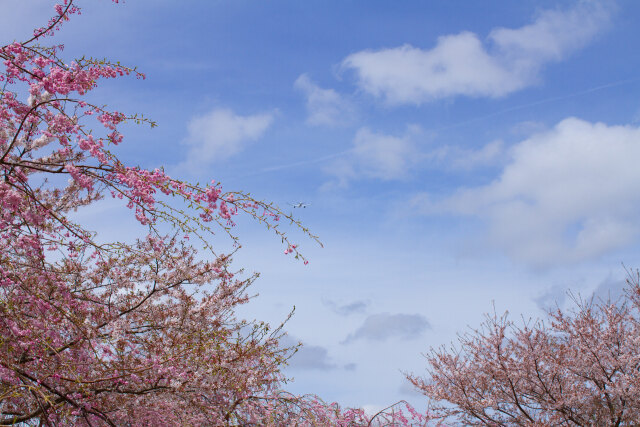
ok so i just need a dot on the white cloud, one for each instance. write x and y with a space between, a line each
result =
567 195
553 34
221 133
377 155
458 65
383 156
325 106
387 157
461 64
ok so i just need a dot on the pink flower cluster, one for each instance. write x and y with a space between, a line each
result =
120 333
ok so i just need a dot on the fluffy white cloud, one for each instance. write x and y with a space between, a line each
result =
221 133
325 106
461 64
567 194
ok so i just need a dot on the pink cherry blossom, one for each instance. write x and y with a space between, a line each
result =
575 368
124 333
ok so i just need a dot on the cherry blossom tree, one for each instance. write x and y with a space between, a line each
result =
124 333
113 333
580 367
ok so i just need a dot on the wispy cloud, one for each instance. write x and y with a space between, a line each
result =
453 157
376 155
324 106
384 326
220 134
461 64
346 309
567 195
381 156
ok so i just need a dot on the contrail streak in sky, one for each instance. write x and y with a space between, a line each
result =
540 102
454 125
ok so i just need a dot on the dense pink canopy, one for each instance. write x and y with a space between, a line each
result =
577 368
121 333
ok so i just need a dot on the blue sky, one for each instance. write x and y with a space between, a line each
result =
456 155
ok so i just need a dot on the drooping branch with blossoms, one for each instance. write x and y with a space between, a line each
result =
123 333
